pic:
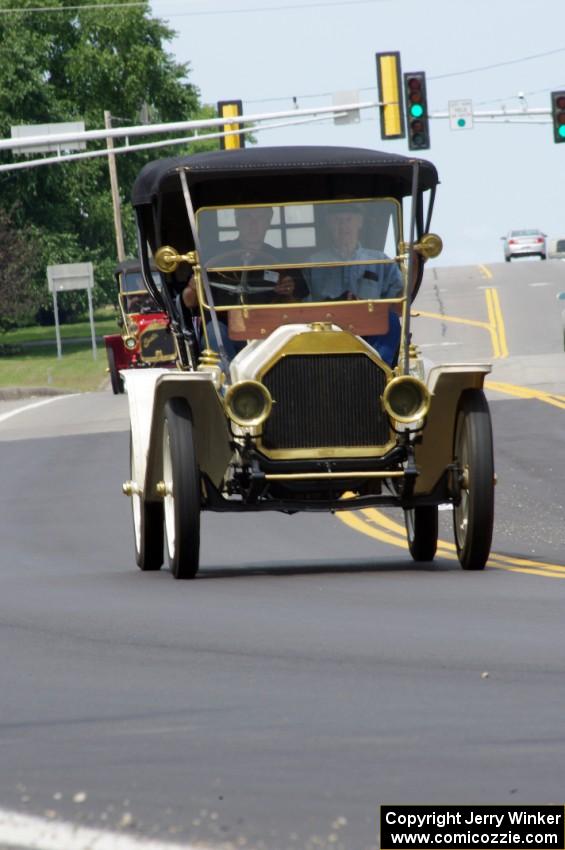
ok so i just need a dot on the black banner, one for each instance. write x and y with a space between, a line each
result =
472 827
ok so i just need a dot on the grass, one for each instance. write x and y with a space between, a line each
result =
75 370
39 366
78 330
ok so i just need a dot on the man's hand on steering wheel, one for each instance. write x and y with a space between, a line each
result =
285 286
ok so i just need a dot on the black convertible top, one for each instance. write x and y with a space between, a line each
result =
294 173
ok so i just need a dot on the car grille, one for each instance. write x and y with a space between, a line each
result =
156 344
330 400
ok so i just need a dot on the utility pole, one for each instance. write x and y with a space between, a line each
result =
115 191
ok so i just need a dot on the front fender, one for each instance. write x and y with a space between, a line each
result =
148 391
435 451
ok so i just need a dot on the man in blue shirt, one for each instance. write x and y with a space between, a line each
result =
356 282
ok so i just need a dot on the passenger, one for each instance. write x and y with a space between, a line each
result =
252 249
356 282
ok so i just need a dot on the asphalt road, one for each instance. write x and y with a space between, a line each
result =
311 672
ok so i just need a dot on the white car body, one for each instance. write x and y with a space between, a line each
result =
524 243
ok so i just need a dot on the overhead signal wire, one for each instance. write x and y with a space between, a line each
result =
286 7
84 7
195 12
445 76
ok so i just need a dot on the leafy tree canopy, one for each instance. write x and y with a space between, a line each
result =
70 65
17 258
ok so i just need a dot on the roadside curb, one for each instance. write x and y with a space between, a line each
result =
14 393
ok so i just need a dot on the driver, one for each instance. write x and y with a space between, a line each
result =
350 283
250 245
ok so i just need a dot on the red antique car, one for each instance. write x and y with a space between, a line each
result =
145 339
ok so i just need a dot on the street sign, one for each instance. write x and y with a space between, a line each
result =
69 276
25 131
353 116
461 114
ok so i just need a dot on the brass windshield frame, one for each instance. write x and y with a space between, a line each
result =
400 258
398 222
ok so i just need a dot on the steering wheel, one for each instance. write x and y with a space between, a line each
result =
251 257
248 257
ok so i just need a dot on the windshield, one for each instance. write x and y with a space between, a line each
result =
133 281
302 252
136 298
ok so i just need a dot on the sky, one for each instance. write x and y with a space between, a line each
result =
494 177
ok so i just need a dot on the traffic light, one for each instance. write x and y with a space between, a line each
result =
390 95
558 115
416 100
231 109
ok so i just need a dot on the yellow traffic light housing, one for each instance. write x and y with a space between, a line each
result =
231 109
390 95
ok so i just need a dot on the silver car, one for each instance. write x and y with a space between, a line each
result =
524 243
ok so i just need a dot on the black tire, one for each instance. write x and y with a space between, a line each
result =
473 518
543 256
115 377
182 495
147 528
508 259
422 531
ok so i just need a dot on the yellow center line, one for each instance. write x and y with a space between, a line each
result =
526 392
375 524
397 528
532 572
456 319
527 562
492 325
499 324
495 324
383 521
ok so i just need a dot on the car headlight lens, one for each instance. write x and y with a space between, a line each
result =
130 342
248 403
406 399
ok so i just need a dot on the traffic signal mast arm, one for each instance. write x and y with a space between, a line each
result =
305 116
176 127
500 113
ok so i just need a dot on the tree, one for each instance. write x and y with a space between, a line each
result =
17 265
74 64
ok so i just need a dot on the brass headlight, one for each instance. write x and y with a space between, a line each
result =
406 399
248 403
130 342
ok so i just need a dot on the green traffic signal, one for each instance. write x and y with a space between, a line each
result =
418 131
558 115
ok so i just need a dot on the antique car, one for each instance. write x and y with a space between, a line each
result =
145 339
284 399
